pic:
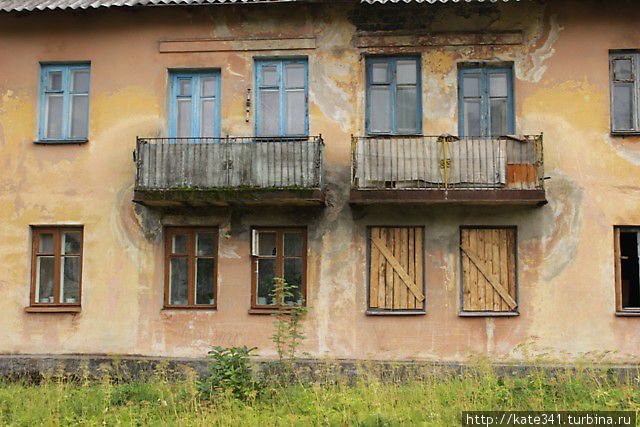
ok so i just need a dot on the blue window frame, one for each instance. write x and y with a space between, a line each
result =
485 104
195 104
64 102
282 100
394 96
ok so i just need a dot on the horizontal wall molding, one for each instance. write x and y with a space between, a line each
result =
396 39
236 44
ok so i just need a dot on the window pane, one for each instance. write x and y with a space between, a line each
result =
472 118
499 124
269 113
265 283
44 279
184 87
179 244
471 86
79 116
71 243
293 243
380 109
46 244
498 85
80 81
70 280
54 82
269 75
406 72
407 109
267 244
207 117
380 73
295 75
623 106
206 244
293 276
208 86
178 293
205 281
622 69
296 113
54 116
184 118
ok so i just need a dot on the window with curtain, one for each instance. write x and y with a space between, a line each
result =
195 104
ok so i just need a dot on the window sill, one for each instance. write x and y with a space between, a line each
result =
625 133
61 141
628 313
264 311
189 307
396 313
53 309
488 314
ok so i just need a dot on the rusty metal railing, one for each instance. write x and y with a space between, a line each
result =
447 162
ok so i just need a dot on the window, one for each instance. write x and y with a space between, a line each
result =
624 91
64 103
396 269
56 266
486 102
195 104
281 107
627 269
393 96
488 265
278 253
190 267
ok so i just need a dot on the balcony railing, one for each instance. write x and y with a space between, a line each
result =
236 163
449 163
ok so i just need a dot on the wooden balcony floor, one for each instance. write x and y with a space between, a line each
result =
434 197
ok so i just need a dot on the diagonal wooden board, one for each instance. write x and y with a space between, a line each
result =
417 292
493 280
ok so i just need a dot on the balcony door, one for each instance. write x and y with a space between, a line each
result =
195 105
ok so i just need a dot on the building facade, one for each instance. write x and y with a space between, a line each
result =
434 181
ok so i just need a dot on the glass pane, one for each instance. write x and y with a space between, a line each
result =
293 276
623 69
79 116
380 109
623 104
499 120
208 86
296 113
293 243
179 244
71 243
54 116
265 282
472 125
206 244
205 281
208 117
471 86
184 118
184 87
380 73
407 109
267 243
178 282
498 85
46 244
269 113
294 75
70 280
406 71
44 279
269 75
55 80
80 81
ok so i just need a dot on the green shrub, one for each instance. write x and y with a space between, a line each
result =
229 373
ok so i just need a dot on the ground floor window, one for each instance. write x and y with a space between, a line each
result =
396 269
627 269
56 266
190 267
488 258
278 253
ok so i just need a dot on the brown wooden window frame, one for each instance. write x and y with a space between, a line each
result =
192 257
279 257
620 309
56 231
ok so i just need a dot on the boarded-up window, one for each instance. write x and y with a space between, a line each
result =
396 269
488 257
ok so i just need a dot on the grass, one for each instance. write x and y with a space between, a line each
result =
367 401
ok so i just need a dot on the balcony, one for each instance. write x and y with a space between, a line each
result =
506 170
229 171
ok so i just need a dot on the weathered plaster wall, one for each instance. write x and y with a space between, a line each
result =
565 249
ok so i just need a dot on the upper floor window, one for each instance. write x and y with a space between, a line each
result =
282 107
486 102
393 96
195 104
64 102
624 92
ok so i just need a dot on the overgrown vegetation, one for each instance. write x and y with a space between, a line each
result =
291 311
229 373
